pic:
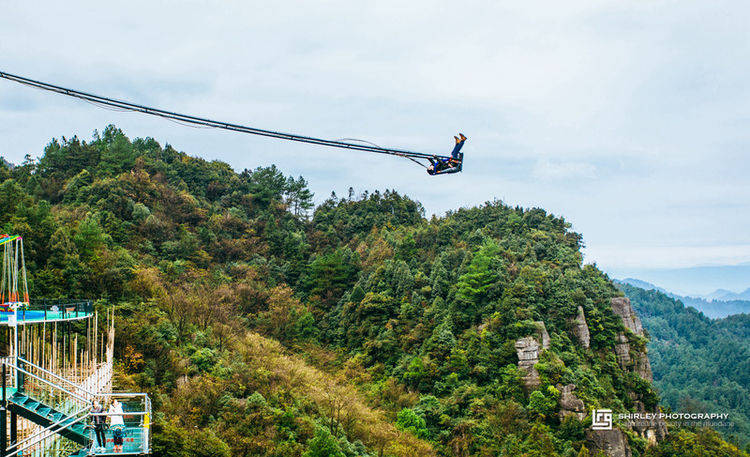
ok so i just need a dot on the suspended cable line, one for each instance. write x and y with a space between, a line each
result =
109 103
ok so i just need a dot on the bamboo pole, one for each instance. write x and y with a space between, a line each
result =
74 351
96 338
44 343
54 350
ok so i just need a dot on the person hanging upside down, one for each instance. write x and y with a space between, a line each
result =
449 165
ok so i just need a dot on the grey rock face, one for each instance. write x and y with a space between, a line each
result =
641 365
527 349
654 429
570 405
581 329
612 442
621 306
542 334
622 351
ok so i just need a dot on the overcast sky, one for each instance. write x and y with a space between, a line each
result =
630 119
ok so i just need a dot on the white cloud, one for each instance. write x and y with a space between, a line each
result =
556 170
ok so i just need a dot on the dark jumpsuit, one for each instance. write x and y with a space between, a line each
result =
99 426
444 165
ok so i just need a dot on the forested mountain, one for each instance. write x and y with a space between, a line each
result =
699 364
263 326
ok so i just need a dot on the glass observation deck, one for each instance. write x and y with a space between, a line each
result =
38 311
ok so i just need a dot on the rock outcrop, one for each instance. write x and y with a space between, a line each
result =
653 429
621 306
643 367
528 349
640 364
612 442
541 330
570 405
637 362
581 329
622 351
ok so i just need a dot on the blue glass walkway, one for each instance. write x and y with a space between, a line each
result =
46 313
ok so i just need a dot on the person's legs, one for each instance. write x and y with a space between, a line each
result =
457 149
117 439
101 438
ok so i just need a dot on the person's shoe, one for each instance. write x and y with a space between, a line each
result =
463 137
457 140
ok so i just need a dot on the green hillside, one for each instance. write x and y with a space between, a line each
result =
699 364
263 326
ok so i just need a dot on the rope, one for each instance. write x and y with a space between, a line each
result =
199 121
373 144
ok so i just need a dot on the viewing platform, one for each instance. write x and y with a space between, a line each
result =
55 402
39 311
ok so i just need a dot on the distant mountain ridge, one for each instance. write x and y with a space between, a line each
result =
728 295
641 284
695 281
715 308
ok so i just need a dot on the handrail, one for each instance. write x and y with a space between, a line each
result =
48 429
123 394
33 444
77 386
124 413
51 384
68 309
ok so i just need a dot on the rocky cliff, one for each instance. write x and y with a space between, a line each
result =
528 350
613 443
629 359
631 356
581 329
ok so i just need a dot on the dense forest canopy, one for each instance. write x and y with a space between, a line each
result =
699 364
262 325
